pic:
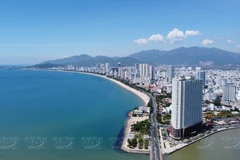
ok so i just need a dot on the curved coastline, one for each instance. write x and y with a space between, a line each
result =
127 127
143 96
127 123
146 99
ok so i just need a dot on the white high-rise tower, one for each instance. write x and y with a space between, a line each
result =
107 68
186 106
152 73
170 73
229 92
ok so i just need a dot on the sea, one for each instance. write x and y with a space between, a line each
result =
48 115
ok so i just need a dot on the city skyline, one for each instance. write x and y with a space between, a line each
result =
175 113
128 79
32 32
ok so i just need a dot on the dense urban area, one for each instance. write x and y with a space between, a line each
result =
186 104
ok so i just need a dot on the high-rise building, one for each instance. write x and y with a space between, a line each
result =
152 72
229 92
146 70
170 73
107 68
218 81
137 71
186 106
141 70
202 75
120 72
127 73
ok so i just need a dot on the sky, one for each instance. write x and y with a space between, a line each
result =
33 31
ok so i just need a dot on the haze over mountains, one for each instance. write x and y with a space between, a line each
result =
179 56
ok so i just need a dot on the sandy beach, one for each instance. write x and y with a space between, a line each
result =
127 130
127 134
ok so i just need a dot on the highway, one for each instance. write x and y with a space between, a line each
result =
156 153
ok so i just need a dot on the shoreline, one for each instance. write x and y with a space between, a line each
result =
127 125
127 130
141 95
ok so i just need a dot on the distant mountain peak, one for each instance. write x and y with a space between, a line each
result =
180 56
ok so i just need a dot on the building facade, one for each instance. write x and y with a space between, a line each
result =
202 75
229 92
186 106
170 73
107 68
152 73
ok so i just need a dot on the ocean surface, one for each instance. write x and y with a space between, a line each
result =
62 116
71 116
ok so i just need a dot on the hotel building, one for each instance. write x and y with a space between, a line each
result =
186 106
229 92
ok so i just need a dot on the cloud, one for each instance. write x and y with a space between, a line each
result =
141 42
192 33
230 41
156 38
175 35
206 42
238 46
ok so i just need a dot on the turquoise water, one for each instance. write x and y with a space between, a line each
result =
77 117
62 116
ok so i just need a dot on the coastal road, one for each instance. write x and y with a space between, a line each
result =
155 147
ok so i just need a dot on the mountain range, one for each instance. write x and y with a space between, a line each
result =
180 56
